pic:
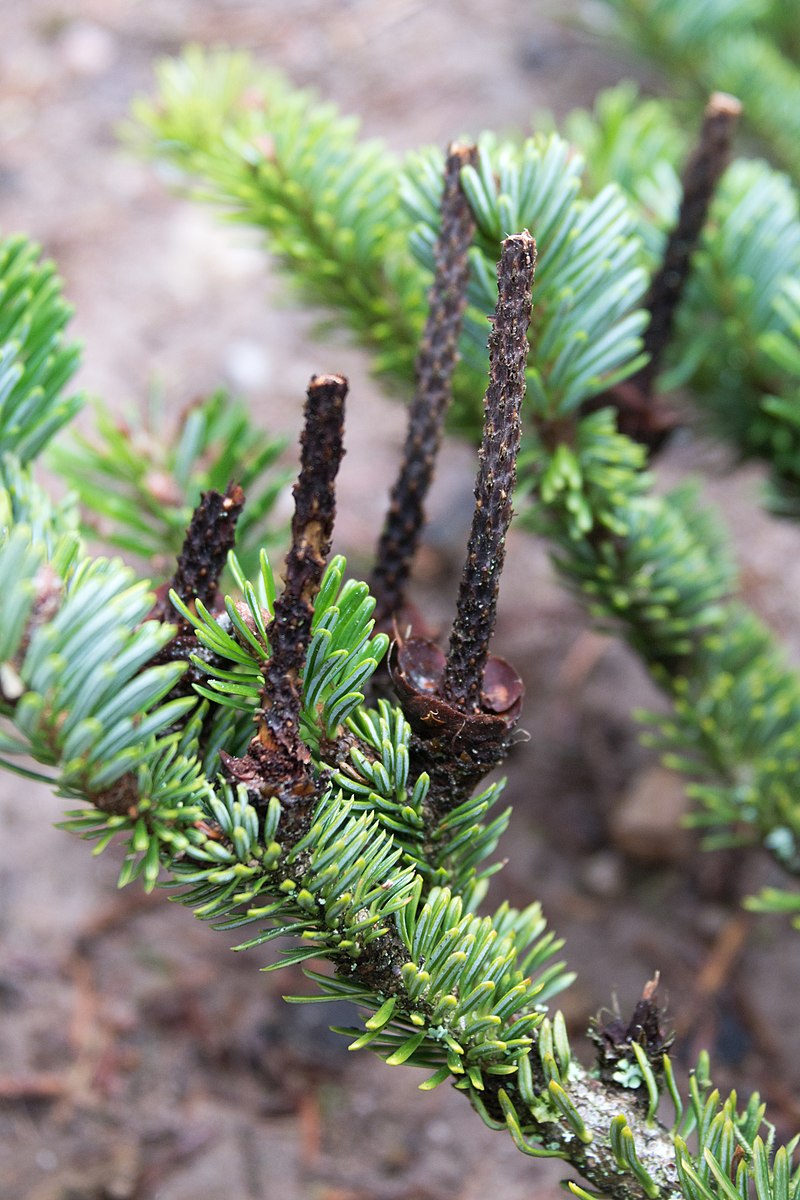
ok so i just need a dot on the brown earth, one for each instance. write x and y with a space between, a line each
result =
139 1059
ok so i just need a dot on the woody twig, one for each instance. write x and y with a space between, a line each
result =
464 707
435 365
278 762
641 415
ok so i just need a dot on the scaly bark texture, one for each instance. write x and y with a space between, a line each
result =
436 360
209 538
463 708
314 493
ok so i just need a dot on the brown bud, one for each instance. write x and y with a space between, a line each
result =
417 672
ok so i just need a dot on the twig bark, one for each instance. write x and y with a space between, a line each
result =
435 364
278 763
314 493
700 177
476 608
642 416
463 709
209 538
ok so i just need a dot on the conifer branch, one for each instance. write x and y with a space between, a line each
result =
734 349
645 565
749 50
434 368
352 865
140 478
359 836
296 167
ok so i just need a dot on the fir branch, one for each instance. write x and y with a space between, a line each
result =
730 344
732 311
296 170
263 160
656 572
642 563
36 363
434 368
245 141
630 553
296 851
454 993
636 143
742 47
768 80
735 327
585 325
106 711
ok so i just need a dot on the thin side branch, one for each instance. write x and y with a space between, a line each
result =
278 763
314 493
641 415
462 709
477 598
701 175
435 364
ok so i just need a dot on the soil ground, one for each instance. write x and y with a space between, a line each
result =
139 1058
